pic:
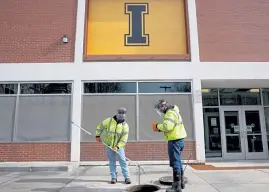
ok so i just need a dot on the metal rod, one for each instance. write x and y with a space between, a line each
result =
139 175
187 163
111 148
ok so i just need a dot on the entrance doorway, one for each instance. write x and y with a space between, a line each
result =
243 133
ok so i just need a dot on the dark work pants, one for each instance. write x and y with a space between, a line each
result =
175 149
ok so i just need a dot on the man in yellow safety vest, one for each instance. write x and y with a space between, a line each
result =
116 135
174 132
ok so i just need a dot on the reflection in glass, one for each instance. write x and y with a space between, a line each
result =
164 87
253 122
255 143
266 114
210 97
45 88
212 132
233 144
254 135
232 131
8 89
110 87
240 96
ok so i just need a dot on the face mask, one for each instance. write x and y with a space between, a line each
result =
159 112
121 117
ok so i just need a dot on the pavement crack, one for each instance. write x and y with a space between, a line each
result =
207 182
71 180
11 178
79 171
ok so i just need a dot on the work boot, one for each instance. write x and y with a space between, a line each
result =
176 186
128 181
182 180
113 181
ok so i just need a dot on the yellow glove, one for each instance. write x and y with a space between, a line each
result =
115 148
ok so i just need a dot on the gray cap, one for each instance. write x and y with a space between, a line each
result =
122 110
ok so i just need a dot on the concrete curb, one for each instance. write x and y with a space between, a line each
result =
68 166
105 163
38 166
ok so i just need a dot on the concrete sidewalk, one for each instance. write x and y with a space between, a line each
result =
96 178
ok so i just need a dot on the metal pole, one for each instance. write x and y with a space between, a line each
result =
187 163
139 175
111 148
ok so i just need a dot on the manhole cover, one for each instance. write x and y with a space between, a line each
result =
168 180
143 188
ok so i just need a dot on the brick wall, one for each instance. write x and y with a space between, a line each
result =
233 30
22 152
31 30
144 151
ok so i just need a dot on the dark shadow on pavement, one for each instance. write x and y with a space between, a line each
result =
78 188
160 185
58 180
152 172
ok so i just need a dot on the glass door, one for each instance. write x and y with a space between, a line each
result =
254 133
243 133
232 133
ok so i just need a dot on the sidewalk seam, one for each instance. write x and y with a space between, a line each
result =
12 178
207 182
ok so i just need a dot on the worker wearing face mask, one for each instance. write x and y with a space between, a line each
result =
174 132
116 131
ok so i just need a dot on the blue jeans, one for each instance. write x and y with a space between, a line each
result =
112 162
175 149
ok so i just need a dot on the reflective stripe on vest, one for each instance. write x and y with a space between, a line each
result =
114 132
172 120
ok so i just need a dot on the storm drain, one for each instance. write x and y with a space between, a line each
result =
143 188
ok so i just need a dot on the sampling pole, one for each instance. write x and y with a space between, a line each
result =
136 164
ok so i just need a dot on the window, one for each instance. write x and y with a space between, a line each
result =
210 97
164 87
110 87
212 132
8 89
147 115
240 96
45 88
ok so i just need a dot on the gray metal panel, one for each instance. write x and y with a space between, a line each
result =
7 112
97 108
147 114
44 118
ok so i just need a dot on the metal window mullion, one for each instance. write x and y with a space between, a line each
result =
15 125
137 113
261 95
218 97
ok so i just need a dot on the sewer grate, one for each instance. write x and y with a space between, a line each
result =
168 180
143 188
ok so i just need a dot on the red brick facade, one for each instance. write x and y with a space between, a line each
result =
22 152
140 151
31 31
233 30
